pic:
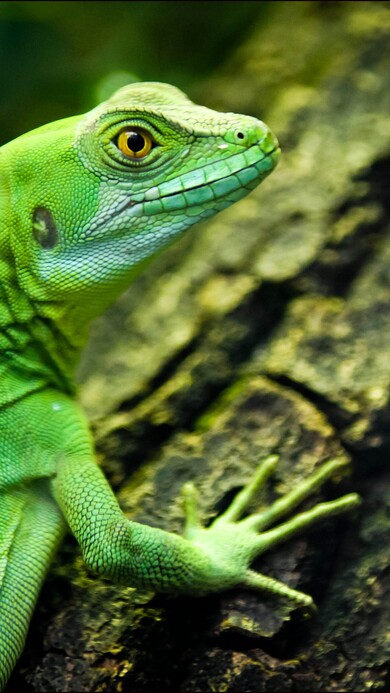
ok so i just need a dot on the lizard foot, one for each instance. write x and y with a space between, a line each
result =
232 543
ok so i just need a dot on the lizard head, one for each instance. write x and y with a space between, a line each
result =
107 190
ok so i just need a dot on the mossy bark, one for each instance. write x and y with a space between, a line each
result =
267 329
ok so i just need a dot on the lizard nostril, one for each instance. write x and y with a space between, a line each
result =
240 135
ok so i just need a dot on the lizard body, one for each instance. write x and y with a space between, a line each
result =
84 203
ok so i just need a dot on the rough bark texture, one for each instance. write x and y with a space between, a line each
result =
267 329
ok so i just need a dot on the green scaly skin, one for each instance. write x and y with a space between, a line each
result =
79 219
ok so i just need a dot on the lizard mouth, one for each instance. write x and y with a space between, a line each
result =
245 179
201 192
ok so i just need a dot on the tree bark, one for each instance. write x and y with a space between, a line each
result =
266 329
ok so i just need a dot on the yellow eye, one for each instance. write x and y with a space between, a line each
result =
135 143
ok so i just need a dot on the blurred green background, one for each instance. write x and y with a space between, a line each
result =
62 58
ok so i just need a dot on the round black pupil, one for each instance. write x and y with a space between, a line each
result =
135 141
240 135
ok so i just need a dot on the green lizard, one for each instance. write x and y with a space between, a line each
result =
85 203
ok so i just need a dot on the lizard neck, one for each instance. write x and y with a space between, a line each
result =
34 351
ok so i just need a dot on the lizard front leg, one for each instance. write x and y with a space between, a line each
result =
112 545
204 560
